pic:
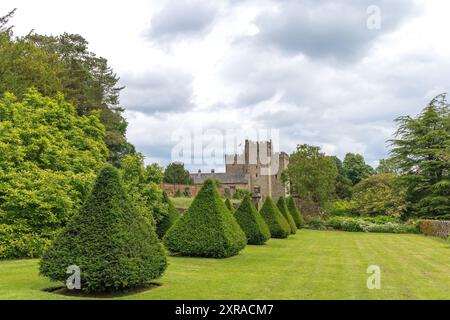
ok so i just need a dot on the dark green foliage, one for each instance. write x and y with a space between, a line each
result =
252 223
230 205
175 173
295 213
281 204
169 218
278 226
421 152
114 246
355 168
312 175
207 229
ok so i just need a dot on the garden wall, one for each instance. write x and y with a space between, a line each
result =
435 228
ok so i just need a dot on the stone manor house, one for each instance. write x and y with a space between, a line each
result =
257 170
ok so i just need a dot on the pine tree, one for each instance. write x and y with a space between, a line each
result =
295 213
112 244
278 226
281 204
207 229
169 219
252 223
421 150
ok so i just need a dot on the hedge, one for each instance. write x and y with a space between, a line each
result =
207 229
435 228
251 222
278 226
113 245
169 219
281 204
295 213
20 242
368 224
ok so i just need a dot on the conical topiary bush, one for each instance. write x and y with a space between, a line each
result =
169 219
207 229
112 244
252 223
278 226
295 213
281 204
229 205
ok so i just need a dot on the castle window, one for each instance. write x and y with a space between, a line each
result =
256 175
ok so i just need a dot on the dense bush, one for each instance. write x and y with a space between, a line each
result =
379 195
295 213
281 205
278 226
251 222
142 185
20 242
207 229
315 223
112 244
169 219
341 208
436 228
48 160
229 205
376 224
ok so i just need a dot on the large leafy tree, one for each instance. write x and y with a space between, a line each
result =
64 64
355 168
343 184
175 173
142 184
312 174
380 195
48 160
421 151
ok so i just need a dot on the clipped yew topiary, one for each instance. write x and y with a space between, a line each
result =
251 222
295 213
207 229
112 244
169 219
278 226
281 204
229 205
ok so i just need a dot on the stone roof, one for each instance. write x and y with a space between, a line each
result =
226 178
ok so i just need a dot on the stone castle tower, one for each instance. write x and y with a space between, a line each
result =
261 167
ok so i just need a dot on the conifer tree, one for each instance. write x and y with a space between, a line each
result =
278 226
112 244
252 223
207 229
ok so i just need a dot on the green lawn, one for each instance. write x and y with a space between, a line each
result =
310 265
182 202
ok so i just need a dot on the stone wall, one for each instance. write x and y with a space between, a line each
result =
435 228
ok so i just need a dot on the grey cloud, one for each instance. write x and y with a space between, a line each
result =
181 18
328 29
158 91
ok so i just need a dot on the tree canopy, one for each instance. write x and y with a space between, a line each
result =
421 151
355 168
175 173
312 174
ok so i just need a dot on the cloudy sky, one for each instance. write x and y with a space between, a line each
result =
313 70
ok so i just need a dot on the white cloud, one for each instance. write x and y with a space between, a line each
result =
323 81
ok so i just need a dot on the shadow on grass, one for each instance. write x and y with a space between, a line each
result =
63 291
